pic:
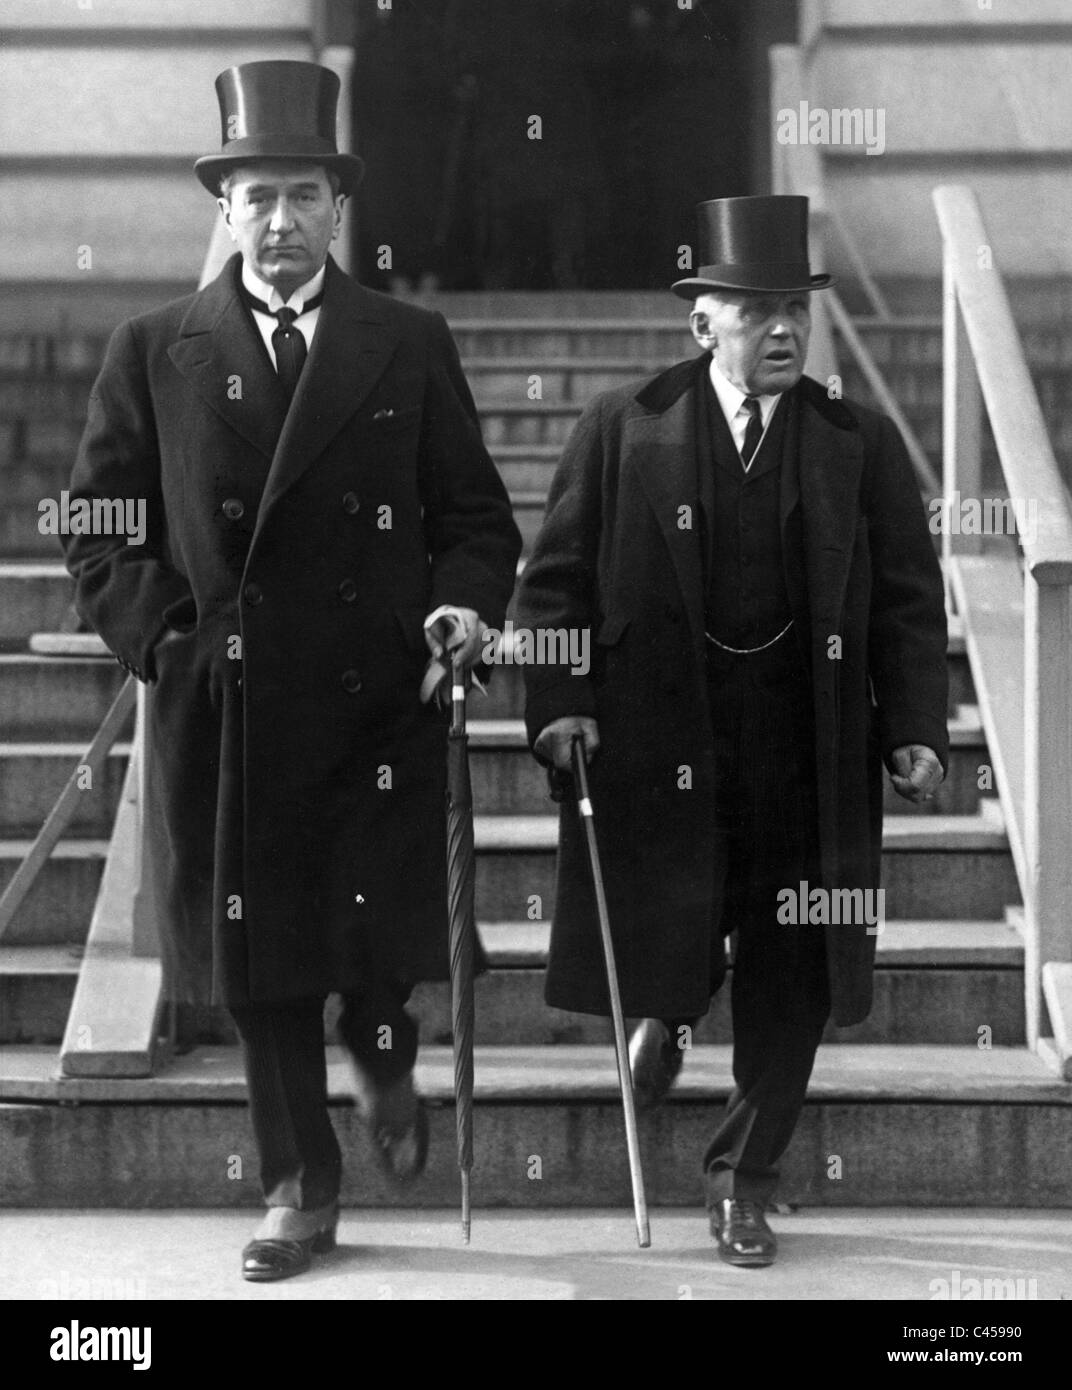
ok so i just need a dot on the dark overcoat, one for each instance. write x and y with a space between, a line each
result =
620 553
296 782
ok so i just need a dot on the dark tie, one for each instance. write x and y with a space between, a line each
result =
754 433
288 344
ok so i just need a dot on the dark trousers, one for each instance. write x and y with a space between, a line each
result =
286 1075
767 811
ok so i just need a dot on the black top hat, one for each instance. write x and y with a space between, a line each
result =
278 110
753 244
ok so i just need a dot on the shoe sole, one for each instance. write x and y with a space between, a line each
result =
254 1278
746 1261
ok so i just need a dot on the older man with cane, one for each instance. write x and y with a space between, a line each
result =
752 556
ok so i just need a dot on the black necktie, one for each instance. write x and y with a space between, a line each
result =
288 341
288 344
754 433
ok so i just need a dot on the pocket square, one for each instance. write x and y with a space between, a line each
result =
384 413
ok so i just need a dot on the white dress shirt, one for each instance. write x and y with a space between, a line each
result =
732 400
267 323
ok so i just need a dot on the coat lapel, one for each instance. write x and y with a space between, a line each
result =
661 446
221 355
829 456
351 349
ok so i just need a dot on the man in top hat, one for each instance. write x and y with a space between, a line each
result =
752 557
322 513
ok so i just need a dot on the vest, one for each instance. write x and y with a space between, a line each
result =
747 603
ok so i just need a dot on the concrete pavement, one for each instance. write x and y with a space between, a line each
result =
850 1254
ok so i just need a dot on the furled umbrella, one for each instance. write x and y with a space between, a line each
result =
461 872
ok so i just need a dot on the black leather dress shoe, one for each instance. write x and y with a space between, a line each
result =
279 1257
655 1060
742 1233
397 1124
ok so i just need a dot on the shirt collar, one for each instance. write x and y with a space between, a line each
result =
731 398
274 299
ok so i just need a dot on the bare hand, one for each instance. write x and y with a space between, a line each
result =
917 772
555 742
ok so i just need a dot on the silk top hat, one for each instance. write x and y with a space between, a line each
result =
278 110
753 244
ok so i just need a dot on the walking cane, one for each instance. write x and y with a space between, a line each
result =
625 1076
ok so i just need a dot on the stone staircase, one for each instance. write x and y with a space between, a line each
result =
935 1099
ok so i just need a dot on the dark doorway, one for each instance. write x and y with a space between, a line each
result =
642 108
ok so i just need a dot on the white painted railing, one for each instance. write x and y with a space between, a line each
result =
985 367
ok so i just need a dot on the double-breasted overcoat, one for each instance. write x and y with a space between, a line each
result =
296 782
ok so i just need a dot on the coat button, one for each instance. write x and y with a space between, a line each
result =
253 594
350 502
351 682
348 591
233 509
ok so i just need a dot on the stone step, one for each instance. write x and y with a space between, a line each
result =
925 944
548 423
57 909
51 409
75 357
61 698
935 981
933 866
575 380
919 1125
44 401
33 598
36 988
911 1005
659 341
32 776
507 779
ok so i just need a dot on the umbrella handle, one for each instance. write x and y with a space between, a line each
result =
457 696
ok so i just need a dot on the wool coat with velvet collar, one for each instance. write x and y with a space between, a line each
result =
620 553
296 783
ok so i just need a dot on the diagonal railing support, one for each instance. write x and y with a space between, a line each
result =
63 811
